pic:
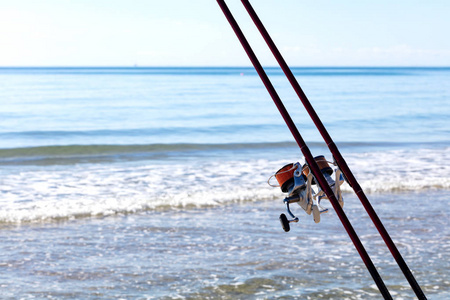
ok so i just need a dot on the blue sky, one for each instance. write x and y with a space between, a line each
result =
195 33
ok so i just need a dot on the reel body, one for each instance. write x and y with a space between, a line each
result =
297 181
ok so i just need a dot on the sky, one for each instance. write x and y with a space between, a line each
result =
196 33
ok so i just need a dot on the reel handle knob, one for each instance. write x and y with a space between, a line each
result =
284 223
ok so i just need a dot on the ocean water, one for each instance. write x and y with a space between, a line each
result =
151 183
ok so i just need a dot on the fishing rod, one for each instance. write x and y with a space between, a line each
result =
335 152
306 153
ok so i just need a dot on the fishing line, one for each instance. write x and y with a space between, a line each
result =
281 172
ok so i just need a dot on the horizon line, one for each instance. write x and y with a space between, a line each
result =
214 66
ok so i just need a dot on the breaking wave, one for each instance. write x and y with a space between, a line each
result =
75 154
55 192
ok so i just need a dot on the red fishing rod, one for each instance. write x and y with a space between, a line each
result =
335 152
306 153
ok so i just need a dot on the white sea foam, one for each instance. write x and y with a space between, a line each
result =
102 190
401 170
39 194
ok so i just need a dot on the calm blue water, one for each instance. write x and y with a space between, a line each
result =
128 106
151 183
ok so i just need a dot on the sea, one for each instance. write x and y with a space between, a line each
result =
156 182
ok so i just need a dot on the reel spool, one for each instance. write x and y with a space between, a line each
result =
323 166
285 177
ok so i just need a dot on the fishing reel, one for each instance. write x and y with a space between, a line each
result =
301 187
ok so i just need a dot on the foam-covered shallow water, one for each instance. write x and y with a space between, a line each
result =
234 251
